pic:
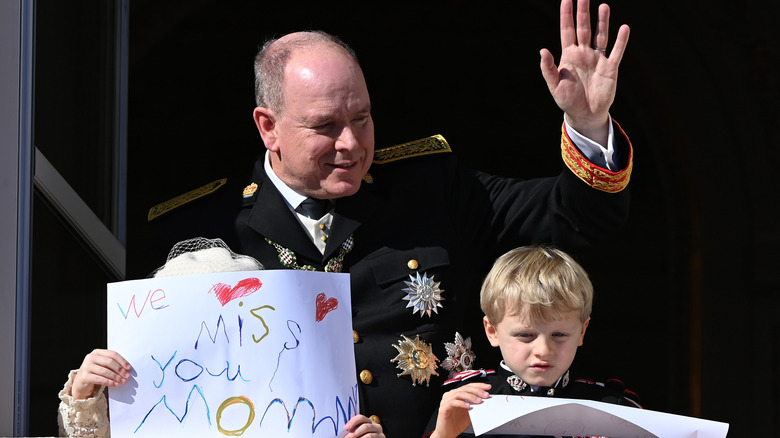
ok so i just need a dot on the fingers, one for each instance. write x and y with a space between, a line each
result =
583 22
601 39
568 34
465 396
363 427
620 44
356 421
104 367
108 359
549 69
453 417
581 34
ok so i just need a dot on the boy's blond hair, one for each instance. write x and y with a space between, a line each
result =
543 281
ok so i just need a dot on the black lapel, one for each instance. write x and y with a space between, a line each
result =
349 214
272 218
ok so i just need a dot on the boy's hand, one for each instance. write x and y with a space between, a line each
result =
453 416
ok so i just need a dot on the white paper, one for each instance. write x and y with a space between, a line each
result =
517 415
266 353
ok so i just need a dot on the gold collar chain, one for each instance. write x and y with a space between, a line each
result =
289 260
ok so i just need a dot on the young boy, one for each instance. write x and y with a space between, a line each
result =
537 302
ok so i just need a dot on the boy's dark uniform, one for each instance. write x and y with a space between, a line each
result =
611 391
419 214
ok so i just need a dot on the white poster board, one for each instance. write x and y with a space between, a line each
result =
517 415
266 353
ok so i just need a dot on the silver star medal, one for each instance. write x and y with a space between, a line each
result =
423 294
459 355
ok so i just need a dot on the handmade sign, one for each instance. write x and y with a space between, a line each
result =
517 415
267 353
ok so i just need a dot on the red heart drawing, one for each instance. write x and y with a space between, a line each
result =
226 293
324 306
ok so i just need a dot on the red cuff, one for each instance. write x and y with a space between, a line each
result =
595 176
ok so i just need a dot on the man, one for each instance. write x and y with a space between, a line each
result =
415 231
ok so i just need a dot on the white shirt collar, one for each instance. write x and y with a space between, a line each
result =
316 229
290 196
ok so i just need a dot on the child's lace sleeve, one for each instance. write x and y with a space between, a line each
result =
82 418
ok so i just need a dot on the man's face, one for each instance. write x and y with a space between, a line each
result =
537 353
323 142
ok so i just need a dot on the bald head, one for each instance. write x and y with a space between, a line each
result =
314 114
271 62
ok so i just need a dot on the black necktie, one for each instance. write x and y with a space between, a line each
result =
314 208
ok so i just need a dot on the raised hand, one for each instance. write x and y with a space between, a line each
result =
585 81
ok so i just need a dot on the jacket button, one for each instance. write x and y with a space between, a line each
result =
375 419
412 264
355 337
366 377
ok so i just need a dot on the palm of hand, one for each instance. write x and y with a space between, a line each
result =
587 81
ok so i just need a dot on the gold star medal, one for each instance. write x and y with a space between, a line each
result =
423 294
415 358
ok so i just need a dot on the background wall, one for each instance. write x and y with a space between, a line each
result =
686 294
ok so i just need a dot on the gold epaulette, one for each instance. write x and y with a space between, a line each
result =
425 146
164 207
597 177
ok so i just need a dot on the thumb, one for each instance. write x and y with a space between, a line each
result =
549 69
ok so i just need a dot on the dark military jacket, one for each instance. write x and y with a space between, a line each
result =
504 382
425 216
420 213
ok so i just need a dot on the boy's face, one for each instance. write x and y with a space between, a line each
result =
537 353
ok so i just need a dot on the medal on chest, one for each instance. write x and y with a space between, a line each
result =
423 294
459 355
416 359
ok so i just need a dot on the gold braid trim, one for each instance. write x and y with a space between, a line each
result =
430 145
597 177
164 207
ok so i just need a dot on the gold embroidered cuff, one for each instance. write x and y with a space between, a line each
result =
597 177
